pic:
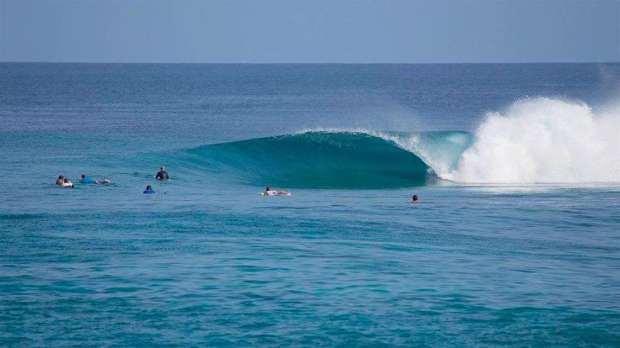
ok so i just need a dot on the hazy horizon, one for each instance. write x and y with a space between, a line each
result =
311 63
282 32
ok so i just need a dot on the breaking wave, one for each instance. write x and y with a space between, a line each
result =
537 140
337 159
543 140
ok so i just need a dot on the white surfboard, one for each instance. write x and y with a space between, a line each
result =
275 193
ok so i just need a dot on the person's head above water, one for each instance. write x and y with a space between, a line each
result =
148 188
414 198
83 176
162 174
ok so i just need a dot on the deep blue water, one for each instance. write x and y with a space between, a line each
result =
346 260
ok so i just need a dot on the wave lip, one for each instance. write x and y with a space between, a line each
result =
320 159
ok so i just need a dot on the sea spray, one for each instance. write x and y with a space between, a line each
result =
543 140
440 150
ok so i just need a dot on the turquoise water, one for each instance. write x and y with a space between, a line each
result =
318 160
346 260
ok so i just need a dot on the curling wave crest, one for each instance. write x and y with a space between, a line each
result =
538 140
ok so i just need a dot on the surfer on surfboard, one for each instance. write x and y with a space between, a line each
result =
86 180
62 181
270 192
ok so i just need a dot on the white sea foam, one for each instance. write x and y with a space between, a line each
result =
543 140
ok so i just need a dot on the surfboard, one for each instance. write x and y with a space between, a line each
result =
275 193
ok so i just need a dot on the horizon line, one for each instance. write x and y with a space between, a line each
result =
304 63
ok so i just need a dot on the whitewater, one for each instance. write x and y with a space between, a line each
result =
543 140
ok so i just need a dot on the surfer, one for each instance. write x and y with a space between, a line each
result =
162 174
148 190
67 183
414 199
60 180
87 180
90 181
270 192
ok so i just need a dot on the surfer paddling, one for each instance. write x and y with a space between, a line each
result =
86 180
271 192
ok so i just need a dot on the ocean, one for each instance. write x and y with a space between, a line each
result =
515 239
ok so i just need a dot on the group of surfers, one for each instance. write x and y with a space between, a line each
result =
65 182
162 175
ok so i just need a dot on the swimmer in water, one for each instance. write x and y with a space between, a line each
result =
67 183
86 180
60 180
414 199
148 189
271 192
162 174
90 181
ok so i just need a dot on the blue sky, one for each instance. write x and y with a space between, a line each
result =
408 31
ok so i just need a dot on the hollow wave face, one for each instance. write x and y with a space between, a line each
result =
538 140
543 140
331 159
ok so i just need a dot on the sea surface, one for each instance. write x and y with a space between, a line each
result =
515 239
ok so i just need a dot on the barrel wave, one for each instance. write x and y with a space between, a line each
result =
334 159
534 141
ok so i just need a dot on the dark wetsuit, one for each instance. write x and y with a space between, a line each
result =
162 175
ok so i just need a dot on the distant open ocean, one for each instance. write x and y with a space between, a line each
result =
515 239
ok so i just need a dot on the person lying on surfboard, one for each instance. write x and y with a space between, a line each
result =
62 181
270 192
90 181
67 183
